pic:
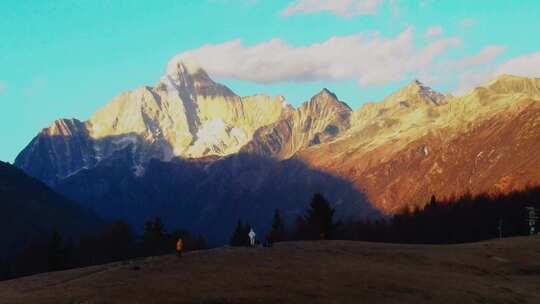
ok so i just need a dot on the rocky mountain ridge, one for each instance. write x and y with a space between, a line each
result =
322 119
400 155
185 115
400 151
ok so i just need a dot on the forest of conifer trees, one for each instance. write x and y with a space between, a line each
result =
457 220
52 251
464 219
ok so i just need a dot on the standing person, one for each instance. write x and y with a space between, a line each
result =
251 235
179 246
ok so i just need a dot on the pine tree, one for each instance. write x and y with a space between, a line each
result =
278 227
57 254
154 237
154 229
240 235
319 218
118 241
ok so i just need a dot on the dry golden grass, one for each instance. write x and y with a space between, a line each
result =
499 271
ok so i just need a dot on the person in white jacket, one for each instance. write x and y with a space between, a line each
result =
251 235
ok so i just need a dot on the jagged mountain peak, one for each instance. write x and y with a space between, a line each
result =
416 85
187 77
188 72
321 119
326 93
389 148
416 93
64 127
186 114
326 98
185 67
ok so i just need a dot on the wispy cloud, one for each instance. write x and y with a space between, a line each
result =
341 8
2 87
433 32
366 58
484 56
466 67
526 66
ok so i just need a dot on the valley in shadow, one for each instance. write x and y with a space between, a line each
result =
210 196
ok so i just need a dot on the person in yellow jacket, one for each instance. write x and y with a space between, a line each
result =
179 247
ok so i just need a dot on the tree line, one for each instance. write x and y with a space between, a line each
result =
52 251
463 219
466 218
317 223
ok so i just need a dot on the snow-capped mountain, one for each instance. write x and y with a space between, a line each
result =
186 114
244 156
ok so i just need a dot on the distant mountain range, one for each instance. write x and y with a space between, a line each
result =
417 143
29 208
192 151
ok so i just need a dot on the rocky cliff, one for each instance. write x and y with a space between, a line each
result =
186 114
321 119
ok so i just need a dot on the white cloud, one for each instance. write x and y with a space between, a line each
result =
469 80
468 68
433 32
484 56
342 8
526 66
2 87
367 58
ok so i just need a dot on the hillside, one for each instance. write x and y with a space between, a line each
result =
29 208
210 196
498 271
417 143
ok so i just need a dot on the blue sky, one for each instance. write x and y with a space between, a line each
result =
68 58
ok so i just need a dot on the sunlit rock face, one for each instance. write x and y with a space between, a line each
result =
417 143
399 151
322 119
60 150
185 114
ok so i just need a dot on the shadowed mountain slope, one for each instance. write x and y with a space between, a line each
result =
28 208
210 196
